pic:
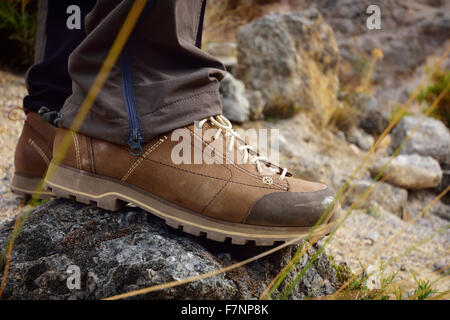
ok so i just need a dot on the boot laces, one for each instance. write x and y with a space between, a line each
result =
225 127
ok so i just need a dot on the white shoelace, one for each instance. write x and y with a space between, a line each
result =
224 126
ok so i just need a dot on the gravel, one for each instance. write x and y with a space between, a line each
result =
12 91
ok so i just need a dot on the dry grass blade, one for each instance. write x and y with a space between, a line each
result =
10 250
87 104
108 64
430 109
293 283
401 283
376 145
279 277
202 276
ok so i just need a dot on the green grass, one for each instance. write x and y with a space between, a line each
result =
18 22
439 81
37 202
423 290
343 271
374 211
396 109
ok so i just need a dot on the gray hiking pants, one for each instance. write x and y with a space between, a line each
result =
162 80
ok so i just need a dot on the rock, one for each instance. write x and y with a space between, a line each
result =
370 118
389 197
340 135
373 281
372 236
130 249
410 171
256 103
361 139
440 268
225 51
431 139
420 199
445 182
234 101
316 154
289 58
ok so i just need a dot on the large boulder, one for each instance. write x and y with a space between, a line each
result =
131 249
234 100
292 59
431 139
410 171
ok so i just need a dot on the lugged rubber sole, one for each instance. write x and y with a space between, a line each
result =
24 186
111 194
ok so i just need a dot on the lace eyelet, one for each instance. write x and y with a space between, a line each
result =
267 180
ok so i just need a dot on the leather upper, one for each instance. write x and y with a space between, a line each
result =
227 191
34 148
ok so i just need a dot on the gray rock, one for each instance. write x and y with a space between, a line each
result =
420 199
256 103
391 198
410 171
361 139
373 121
372 236
370 116
128 250
431 139
373 281
445 182
289 57
340 135
234 101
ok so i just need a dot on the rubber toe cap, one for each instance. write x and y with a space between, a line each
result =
291 209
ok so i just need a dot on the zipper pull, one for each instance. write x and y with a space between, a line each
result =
52 117
135 143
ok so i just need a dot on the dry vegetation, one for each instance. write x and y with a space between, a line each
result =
224 17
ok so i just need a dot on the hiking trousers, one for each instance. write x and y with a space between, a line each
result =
162 80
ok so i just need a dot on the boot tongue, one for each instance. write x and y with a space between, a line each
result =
209 130
238 155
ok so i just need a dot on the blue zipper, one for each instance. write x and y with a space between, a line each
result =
135 137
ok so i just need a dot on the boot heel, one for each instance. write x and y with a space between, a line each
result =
80 186
25 186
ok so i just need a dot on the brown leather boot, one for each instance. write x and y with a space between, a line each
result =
244 202
33 155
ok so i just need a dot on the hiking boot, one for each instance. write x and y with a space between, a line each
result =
32 156
247 201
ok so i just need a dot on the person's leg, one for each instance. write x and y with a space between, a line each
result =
49 85
162 81
48 80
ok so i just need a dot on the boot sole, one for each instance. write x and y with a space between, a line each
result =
88 188
24 186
